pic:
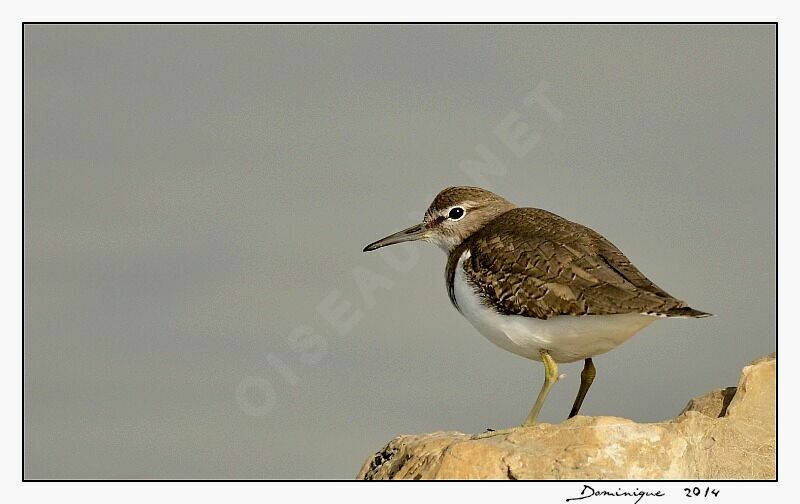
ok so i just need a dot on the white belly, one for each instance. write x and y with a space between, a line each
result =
567 338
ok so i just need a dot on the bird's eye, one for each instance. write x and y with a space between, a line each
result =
456 213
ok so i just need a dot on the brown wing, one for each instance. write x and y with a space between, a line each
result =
534 263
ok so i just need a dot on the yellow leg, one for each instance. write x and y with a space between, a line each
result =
587 377
550 377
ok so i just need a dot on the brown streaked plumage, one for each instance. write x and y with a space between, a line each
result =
537 284
533 263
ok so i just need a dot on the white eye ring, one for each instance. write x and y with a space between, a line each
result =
456 213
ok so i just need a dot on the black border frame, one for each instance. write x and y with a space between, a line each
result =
265 23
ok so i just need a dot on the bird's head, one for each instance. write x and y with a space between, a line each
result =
454 214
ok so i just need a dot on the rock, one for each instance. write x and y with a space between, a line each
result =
726 434
714 404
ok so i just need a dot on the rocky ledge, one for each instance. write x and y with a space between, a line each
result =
726 434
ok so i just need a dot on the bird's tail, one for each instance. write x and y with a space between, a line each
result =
685 312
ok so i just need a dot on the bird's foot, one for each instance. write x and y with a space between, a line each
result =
491 432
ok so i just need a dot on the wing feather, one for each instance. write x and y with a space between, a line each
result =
534 263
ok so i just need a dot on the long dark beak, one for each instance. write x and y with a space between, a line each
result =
415 232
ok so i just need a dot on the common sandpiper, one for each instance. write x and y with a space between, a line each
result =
538 285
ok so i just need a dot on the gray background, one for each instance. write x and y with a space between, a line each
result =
193 193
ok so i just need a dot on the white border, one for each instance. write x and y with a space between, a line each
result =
414 10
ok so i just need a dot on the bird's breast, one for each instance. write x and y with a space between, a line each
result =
567 338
